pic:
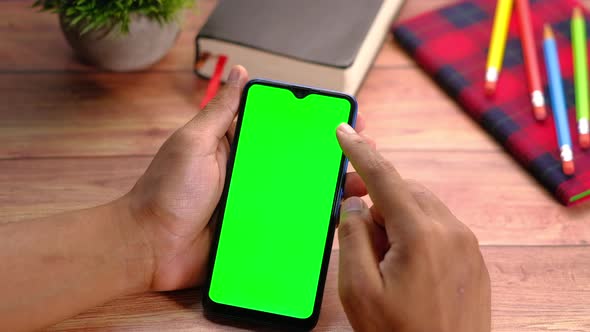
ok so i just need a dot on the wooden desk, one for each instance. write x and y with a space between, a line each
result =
73 137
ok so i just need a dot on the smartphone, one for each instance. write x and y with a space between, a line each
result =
280 204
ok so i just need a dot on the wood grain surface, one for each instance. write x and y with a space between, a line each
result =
72 136
534 289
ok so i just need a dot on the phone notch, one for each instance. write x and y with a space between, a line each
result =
301 92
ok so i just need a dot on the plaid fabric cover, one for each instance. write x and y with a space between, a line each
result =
451 44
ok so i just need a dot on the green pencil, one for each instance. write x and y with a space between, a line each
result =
581 76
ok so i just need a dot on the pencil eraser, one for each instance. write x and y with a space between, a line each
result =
490 88
568 167
585 141
540 113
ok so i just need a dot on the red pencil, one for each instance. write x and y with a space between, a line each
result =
530 59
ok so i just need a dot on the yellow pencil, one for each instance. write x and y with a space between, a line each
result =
498 44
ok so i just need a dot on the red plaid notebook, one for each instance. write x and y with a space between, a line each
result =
451 44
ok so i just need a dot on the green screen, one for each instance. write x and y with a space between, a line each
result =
279 202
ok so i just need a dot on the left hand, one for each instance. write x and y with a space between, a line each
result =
173 202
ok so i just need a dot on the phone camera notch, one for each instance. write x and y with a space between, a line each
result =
301 93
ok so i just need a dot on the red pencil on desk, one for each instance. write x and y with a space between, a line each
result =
531 60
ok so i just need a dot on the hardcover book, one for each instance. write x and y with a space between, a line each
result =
329 44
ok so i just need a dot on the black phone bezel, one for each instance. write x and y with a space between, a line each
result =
213 308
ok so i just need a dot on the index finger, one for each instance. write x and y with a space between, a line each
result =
386 187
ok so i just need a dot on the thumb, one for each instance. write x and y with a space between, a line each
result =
358 274
215 120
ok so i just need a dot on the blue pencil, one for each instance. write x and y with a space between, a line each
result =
558 102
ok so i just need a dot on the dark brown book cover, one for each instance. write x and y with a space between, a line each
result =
325 32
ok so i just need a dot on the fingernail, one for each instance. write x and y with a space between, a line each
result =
345 128
234 75
353 204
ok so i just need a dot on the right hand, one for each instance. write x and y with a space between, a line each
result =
406 263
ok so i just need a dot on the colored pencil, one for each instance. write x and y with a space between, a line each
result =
214 82
497 44
531 59
558 101
580 51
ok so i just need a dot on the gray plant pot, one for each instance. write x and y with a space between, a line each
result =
145 44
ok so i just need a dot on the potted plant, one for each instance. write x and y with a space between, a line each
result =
119 35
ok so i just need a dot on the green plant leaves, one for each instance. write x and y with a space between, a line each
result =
91 15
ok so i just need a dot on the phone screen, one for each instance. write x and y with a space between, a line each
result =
280 201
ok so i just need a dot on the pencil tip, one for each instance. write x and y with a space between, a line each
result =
548 31
577 12
490 88
540 113
568 167
585 141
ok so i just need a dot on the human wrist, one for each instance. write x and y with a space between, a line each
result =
135 251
